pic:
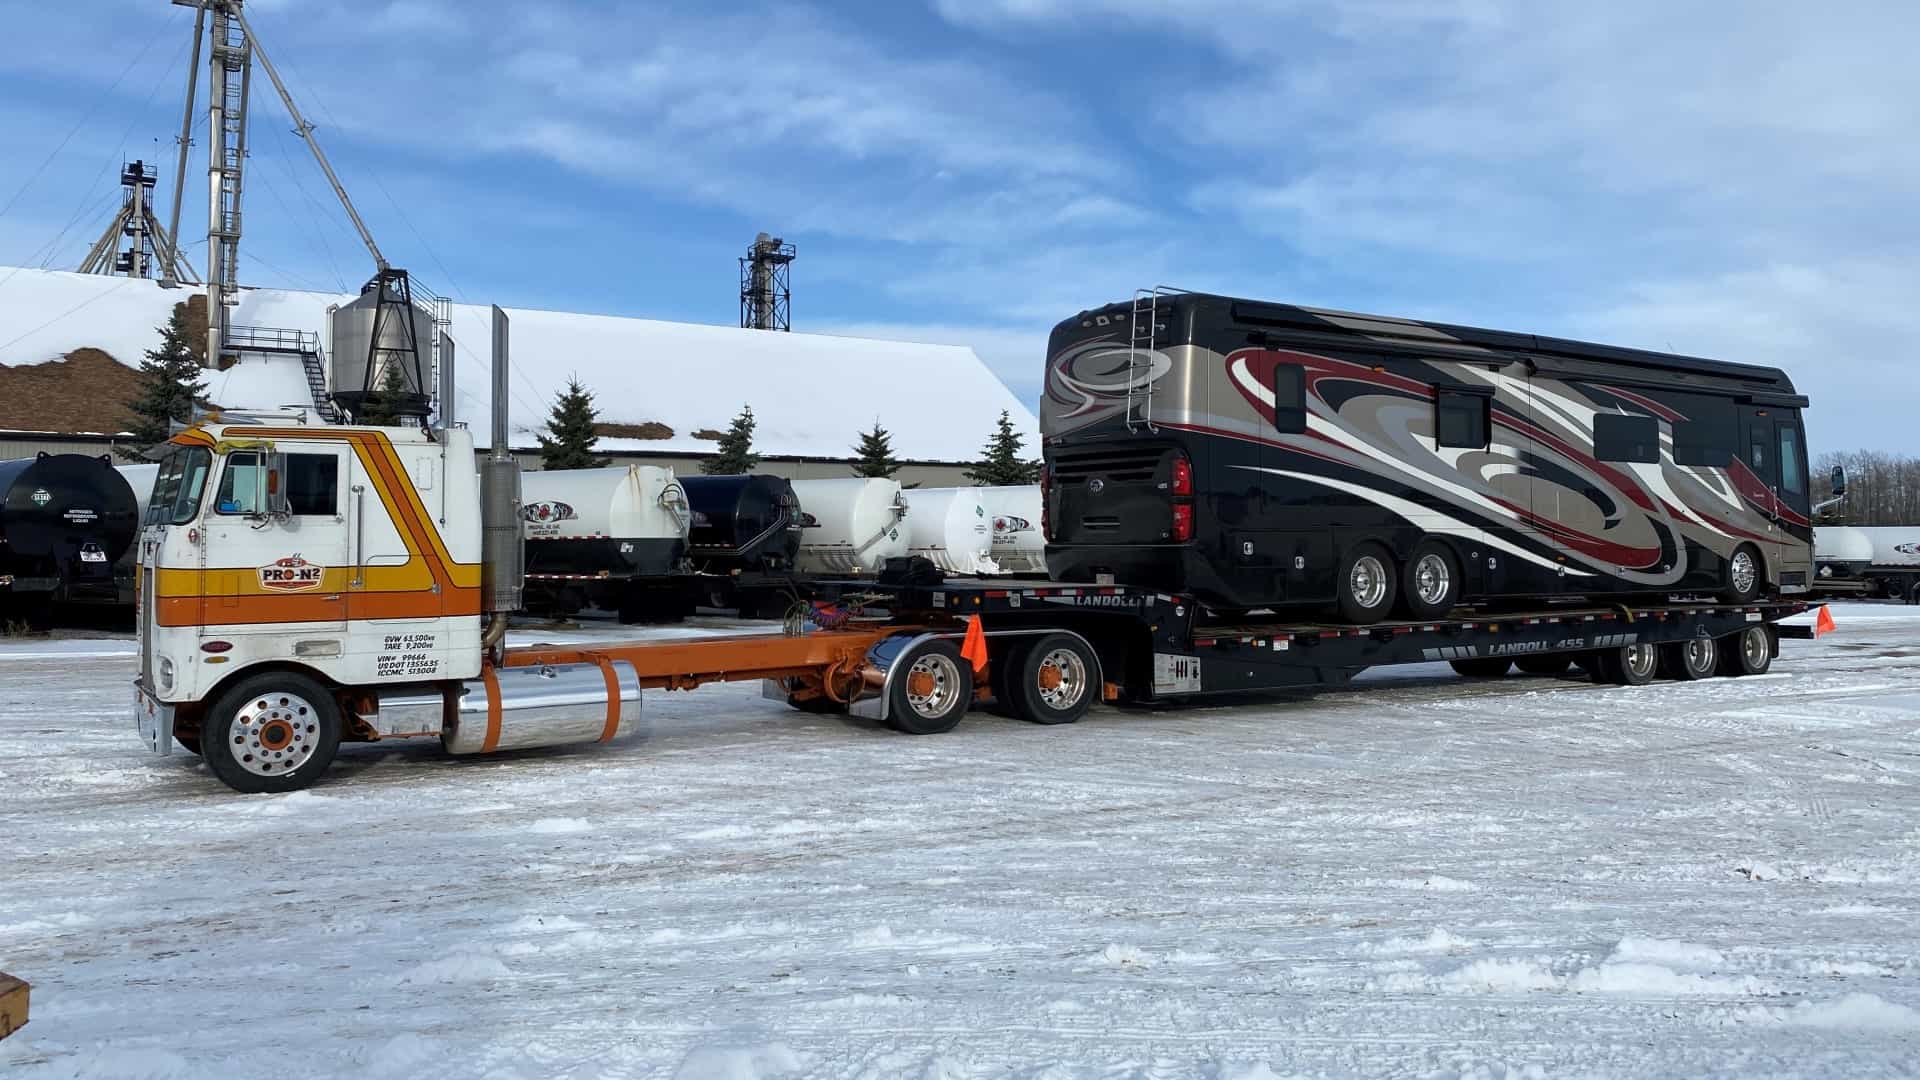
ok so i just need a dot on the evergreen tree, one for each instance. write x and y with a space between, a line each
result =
169 385
572 425
1000 463
378 410
736 454
875 453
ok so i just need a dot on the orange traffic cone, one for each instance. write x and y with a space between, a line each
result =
1823 622
973 647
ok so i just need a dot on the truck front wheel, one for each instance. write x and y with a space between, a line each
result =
272 732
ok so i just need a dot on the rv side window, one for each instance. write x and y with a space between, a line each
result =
1460 419
1289 399
1626 438
313 484
1793 478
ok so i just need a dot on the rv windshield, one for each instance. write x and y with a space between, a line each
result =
177 488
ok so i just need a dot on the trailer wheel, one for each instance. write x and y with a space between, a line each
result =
1430 584
1365 584
272 732
1631 665
1749 652
1485 667
1003 672
1055 680
933 690
1697 658
1745 576
1550 664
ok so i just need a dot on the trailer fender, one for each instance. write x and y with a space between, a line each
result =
882 662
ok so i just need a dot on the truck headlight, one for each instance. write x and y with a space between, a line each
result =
166 674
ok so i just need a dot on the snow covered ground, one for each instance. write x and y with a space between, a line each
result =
1419 877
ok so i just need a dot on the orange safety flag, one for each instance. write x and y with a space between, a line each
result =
1823 622
973 647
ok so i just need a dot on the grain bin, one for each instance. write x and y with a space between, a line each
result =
850 526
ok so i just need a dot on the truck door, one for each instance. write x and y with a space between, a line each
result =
1761 438
277 572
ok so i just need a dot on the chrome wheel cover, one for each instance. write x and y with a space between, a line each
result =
1432 578
274 734
1743 571
945 685
1367 581
1072 684
1640 659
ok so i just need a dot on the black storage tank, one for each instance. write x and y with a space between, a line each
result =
746 523
65 520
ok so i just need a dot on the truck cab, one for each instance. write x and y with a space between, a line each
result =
297 566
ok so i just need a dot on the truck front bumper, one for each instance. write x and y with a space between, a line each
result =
154 719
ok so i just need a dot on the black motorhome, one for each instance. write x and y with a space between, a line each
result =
1263 455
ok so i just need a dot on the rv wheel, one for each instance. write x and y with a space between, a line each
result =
1698 658
1430 584
272 732
1749 652
1486 667
1634 665
1744 576
1365 584
1055 682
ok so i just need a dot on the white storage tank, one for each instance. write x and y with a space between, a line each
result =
1018 547
625 521
850 526
950 527
1893 545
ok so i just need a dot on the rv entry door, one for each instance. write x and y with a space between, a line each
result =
1760 436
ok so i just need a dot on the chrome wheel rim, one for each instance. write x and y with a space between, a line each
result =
1432 578
933 684
1065 687
1754 644
1367 581
1701 654
1743 571
1640 659
274 734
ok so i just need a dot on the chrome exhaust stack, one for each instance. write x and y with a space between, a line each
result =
503 566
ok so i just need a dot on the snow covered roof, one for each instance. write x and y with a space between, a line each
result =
811 393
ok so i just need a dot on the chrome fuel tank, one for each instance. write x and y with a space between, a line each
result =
543 705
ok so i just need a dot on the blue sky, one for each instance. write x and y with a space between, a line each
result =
1734 180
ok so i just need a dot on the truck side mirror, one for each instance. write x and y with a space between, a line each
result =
1839 480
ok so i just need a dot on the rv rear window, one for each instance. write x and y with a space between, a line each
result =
1289 399
1460 419
1626 438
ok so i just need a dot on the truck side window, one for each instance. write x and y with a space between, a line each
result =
1792 480
1626 438
1460 420
1289 399
313 484
239 484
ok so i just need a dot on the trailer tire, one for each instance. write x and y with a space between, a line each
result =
933 691
1430 581
1696 658
1484 667
1550 664
1913 593
1745 577
272 732
1630 665
1748 652
1003 672
1365 584
1055 683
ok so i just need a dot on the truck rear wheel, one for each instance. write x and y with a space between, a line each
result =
1749 652
933 690
1697 658
272 732
1485 667
1055 681
1365 585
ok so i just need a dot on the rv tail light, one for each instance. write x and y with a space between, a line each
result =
1182 522
216 646
1046 492
1182 480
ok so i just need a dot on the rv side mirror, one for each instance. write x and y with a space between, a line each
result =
273 478
1839 480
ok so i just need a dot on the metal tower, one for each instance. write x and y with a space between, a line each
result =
766 300
149 247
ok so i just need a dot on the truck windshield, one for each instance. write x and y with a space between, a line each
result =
177 488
